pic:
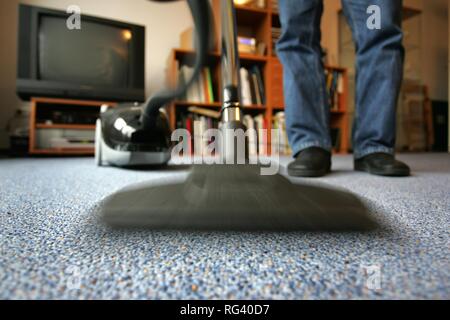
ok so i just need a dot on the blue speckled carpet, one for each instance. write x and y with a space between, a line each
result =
52 246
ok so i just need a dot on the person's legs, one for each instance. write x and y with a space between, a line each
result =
307 111
379 70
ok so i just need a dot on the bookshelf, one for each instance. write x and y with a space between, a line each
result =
256 23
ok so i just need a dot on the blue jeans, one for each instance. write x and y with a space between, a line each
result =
379 72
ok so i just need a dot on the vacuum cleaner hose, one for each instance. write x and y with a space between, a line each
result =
201 14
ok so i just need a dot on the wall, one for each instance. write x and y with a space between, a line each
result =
164 23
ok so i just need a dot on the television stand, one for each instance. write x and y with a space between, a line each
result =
63 126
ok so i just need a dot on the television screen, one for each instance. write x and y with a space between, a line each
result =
103 60
97 54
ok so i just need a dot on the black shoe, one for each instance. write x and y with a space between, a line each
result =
310 162
382 164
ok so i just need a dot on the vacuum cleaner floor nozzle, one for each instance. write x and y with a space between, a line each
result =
236 197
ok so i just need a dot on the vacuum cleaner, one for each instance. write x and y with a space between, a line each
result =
213 197
121 141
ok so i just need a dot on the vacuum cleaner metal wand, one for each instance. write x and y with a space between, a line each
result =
231 108
230 63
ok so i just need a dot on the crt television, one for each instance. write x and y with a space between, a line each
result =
104 60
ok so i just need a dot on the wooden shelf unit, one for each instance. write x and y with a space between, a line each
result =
65 126
259 22
35 124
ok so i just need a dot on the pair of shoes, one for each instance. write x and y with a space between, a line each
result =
382 164
316 162
310 162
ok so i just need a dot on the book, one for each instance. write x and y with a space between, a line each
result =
276 34
252 138
186 121
198 140
279 124
262 135
274 5
259 78
205 112
202 90
246 45
335 87
340 87
276 139
210 84
258 99
204 85
246 94
201 85
190 129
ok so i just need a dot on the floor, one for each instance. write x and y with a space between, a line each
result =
52 246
